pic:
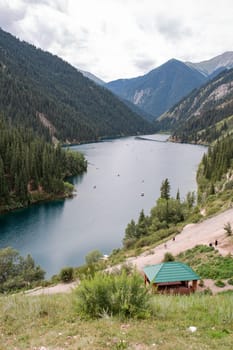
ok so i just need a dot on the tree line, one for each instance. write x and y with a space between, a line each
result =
29 166
215 165
164 216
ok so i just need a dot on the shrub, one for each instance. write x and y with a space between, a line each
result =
207 291
201 283
228 229
17 272
168 257
93 257
67 274
112 294
230 281
220 283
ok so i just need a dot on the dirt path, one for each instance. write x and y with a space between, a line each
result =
204 232
58 288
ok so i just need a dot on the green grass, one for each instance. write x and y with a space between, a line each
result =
208 263
28 322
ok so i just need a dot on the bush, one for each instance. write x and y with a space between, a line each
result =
17 272
109 294
220 283
67 274
228 229
93 257
201 283
168 257
230 281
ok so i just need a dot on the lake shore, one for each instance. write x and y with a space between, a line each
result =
204 232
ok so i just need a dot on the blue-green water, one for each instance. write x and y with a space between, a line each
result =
61 233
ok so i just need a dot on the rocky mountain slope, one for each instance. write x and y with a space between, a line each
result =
161 88
214 65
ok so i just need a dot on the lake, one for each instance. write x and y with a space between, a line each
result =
109 195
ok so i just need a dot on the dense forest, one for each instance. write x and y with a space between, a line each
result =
40 91
31 169
215 173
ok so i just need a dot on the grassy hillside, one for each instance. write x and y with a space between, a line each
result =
52 322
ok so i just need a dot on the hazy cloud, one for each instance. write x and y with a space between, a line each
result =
122 38
172 28
10 15
144 64
59 5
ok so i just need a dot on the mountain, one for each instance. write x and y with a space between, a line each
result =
214 65
159 89
41 91
92 77
205 114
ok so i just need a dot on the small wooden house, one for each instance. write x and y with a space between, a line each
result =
171 277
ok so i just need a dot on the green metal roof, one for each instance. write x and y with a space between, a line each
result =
170 272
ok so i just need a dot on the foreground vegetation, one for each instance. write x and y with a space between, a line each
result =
52 322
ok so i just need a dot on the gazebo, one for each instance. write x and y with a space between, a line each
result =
171 277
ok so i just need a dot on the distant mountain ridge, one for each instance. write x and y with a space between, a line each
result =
41 91
92 77
161 88
220 62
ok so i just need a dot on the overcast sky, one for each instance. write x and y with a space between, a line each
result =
122 38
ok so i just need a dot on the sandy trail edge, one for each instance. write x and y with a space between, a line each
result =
204 232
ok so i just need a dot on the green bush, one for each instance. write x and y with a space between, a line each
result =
93 257
112 294
168 257
17 272
230 281
67 274
220 283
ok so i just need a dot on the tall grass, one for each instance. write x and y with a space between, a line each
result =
53 322
197 308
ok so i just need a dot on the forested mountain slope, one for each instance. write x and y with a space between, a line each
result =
159 89
31 169
41 91
214 176
205 114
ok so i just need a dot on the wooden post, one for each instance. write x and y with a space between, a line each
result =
194 285
145 279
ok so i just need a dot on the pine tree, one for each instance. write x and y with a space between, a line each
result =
165 189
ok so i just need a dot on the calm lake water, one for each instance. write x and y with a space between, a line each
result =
61 233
